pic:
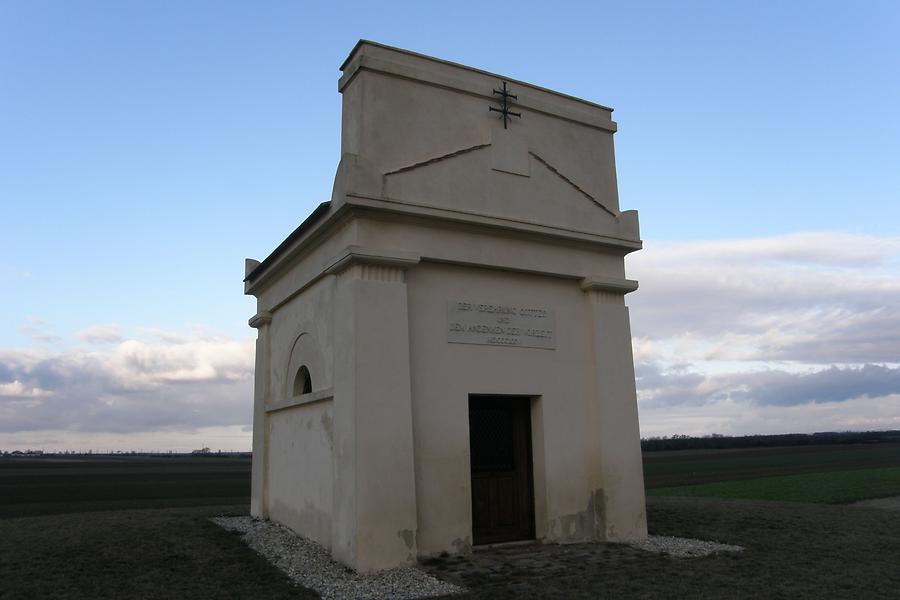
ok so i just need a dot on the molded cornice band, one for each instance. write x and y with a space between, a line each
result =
352 255
260 319
397 62
598 283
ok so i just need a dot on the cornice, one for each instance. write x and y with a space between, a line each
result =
397 62
352 255
600 283
260 319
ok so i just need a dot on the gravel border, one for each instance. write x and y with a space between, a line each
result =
682 547
311 566
890 503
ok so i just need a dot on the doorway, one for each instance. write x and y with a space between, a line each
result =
500 449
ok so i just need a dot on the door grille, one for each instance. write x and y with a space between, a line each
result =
493 444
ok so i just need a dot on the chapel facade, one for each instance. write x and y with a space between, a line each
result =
444 351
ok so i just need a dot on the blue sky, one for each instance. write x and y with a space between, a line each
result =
147 148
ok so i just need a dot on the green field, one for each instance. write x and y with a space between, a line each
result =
837 487
685 467
820 474
137 527
128 527
47 485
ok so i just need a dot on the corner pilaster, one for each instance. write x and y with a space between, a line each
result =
261 392
618 471
375 513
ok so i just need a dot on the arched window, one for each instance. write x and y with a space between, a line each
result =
302 382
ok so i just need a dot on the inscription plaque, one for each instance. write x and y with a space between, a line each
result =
496 324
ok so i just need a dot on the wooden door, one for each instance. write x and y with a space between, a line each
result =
502 492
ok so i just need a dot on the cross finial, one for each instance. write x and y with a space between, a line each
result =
504 104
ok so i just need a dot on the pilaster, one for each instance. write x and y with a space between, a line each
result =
374 497
261 392
617 470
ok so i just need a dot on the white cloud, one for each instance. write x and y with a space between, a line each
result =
31 323
227 438
17 389
788 333
682 385
14 272
135 364
813 304
100 334
35 327
730 417
170 337
130 387
771 335
823 248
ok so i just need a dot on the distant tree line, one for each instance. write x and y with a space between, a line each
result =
719 441
204 453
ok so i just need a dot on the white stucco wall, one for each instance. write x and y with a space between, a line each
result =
300 469
302 334
374 463
444 374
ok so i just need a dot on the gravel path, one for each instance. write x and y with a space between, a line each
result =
682 547
311 566
892 503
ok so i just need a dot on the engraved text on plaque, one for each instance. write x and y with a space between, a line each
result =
496 324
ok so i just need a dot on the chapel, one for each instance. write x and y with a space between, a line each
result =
443 355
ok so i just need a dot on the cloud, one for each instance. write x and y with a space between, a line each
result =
16 389
46 337
35 328
170 337
828 249
31 323
14 272
770 335
806 297
834 384
767 335
733 418
100 334
130 387
685 386
233 438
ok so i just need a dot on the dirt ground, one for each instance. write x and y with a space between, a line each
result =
792 551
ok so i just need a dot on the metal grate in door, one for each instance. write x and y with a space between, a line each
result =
492 442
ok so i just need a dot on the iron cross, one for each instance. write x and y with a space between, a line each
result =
504 105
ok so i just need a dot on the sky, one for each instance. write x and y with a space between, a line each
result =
147 148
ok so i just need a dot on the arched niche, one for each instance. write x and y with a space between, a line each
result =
305 371
302 381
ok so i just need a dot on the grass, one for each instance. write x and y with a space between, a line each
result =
138 528
836 487
792 551
51 485
129 527
146 554
796 551
689 467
